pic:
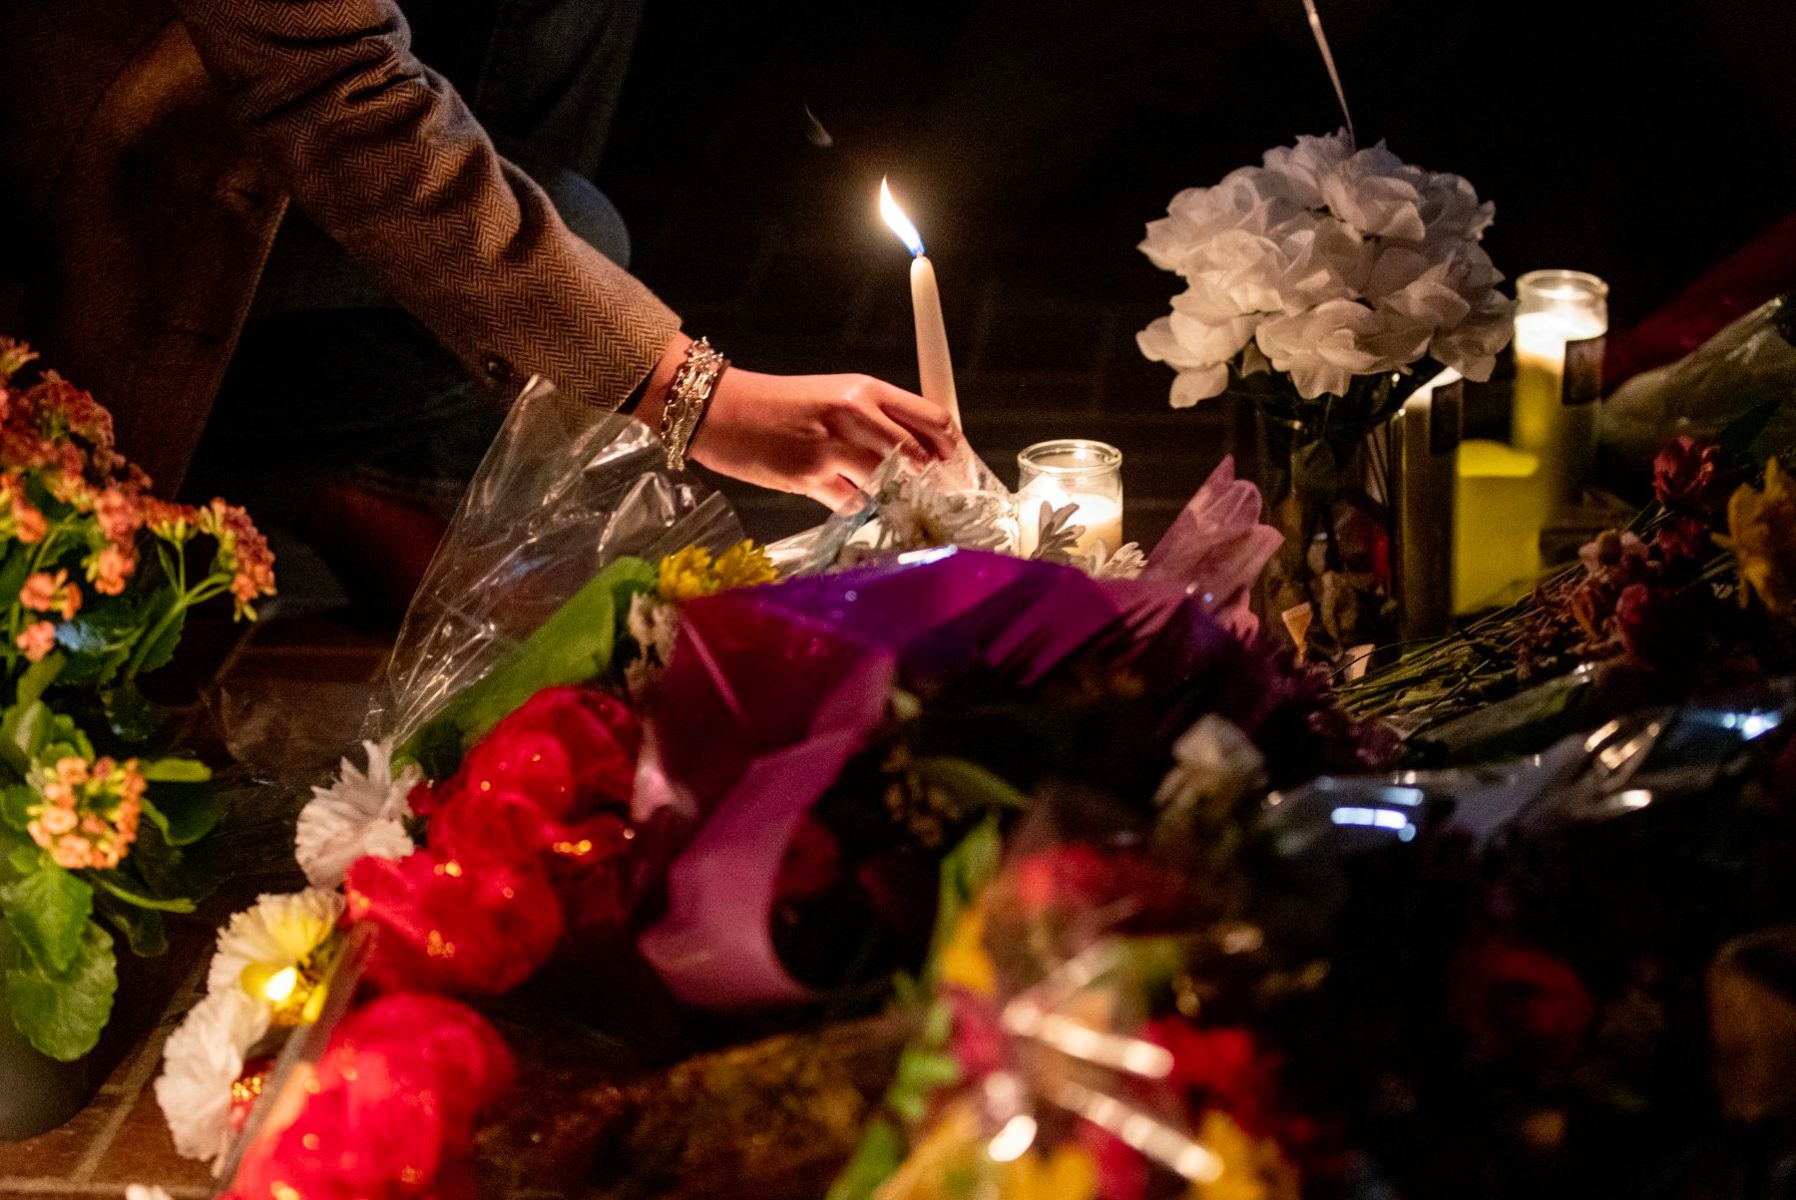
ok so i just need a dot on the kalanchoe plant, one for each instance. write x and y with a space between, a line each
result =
96 578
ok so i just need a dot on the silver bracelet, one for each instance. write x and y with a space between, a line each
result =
687 398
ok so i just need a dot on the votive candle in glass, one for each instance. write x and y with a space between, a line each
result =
1071 471
1561 319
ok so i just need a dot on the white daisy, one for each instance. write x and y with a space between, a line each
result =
361 814
277 932
201 1061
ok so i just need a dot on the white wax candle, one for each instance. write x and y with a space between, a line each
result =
934 368
1560 436
1100 515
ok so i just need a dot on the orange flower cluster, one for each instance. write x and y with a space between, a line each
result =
88 815
59 436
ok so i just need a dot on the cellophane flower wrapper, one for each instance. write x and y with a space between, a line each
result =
1037 1042
564 491
861 525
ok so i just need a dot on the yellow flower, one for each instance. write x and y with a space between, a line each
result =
1252 1169
686 574
744 565
1761 526
692 572
964 960
1069 1173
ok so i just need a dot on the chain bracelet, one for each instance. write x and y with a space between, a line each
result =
687 398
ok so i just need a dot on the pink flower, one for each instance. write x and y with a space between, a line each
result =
44 592
57 821
109 569
37 640
118 515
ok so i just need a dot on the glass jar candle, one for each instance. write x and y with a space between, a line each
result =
1561 319
1073 471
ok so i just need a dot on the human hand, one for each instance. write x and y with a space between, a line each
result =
822 436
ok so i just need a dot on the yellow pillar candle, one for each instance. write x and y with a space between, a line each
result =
1560 320
1499 508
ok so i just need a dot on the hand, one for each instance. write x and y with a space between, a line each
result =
822 436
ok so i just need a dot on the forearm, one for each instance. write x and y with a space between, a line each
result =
383 155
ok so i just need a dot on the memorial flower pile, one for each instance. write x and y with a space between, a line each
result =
96 579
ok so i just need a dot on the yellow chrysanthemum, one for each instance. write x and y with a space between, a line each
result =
1761 526
744 565
686 574
692 572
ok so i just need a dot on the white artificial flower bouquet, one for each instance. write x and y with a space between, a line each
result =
1333 268
1326 285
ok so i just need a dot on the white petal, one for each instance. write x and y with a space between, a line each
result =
279 930
200 1061
1199 383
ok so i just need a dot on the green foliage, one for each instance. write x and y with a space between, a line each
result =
184 812
965 872
47 910
879 1154
63 1012
143 927
573 646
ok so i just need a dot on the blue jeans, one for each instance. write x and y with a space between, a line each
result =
332 382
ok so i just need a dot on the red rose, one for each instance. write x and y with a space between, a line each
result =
471 928
1518 1001
392 1111
1685 536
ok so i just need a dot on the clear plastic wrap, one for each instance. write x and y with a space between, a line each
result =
1750 361
564 491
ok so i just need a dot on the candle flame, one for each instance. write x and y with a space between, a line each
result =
900 224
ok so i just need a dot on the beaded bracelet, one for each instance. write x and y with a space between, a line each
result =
687 398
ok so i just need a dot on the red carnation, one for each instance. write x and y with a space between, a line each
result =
470 928
1693 477
392 1111
1518 1001
570 749
1083 878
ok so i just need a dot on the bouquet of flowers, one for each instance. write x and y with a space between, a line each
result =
1325 285
96 579
1499 982
677 777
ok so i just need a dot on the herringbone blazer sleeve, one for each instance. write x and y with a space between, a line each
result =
383 154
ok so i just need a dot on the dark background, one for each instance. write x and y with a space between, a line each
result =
1031 142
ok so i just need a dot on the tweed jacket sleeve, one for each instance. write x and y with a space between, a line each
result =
384 156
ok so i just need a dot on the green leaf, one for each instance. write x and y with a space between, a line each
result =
176 770
143 928
13 570
37 679
47 910
23 728
572 646
165 619
62 1013
878 1156
174 904
183 812
920 1075
969 782
16 800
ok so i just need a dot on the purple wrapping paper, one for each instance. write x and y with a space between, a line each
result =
773 689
